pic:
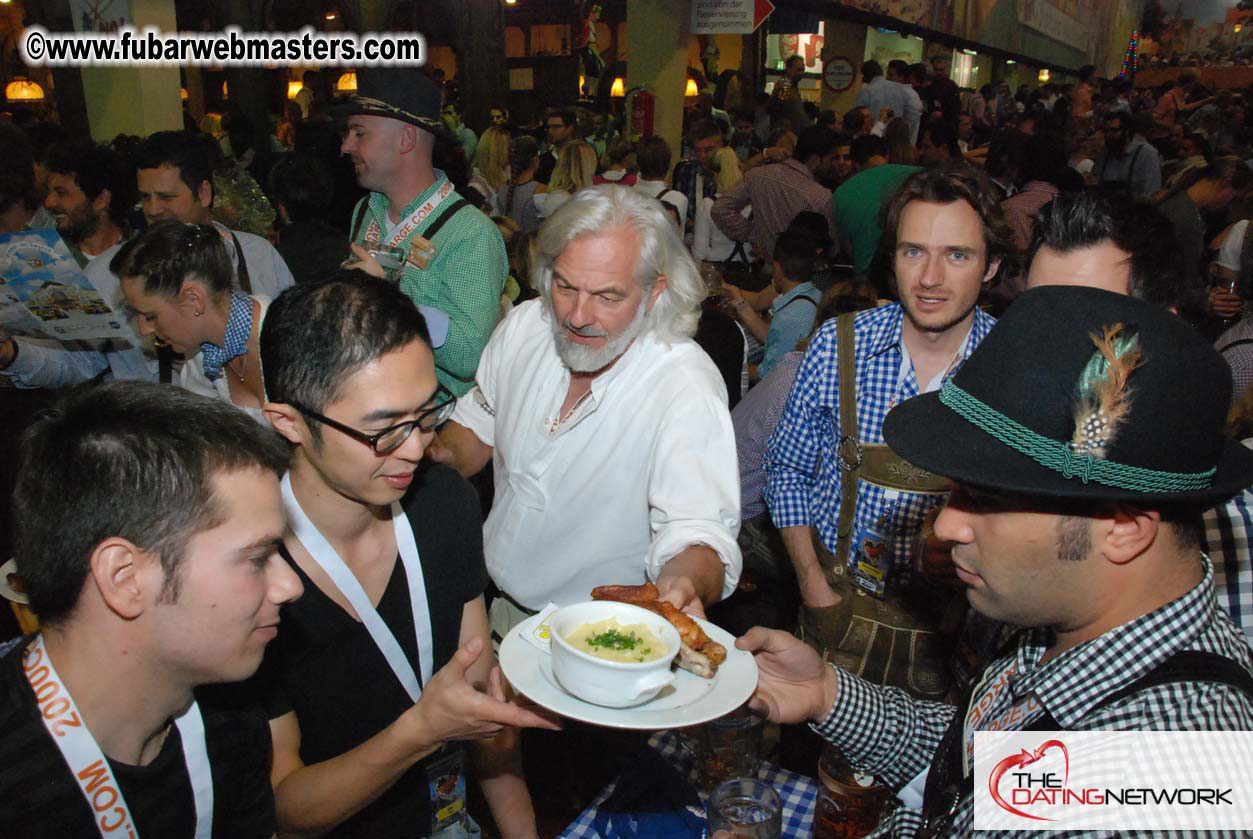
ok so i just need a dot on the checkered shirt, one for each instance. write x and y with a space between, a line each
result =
1227 531
464 280
802 469
885 732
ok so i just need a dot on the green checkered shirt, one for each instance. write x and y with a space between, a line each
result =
464 280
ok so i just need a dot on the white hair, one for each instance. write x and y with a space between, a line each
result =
662 254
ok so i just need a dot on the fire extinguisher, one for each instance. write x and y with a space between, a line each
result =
643 105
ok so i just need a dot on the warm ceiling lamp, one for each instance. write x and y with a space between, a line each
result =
511 2
226 93
347 83
1237 27
23 90
182 93
619 87
691 90
1044 75
294 87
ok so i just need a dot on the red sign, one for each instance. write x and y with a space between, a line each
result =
761 11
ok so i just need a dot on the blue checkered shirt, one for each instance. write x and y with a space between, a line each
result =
802 469
1228 528
889 734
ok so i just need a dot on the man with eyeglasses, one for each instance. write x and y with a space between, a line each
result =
384 664
560 128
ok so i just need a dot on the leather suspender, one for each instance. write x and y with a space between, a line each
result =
847 448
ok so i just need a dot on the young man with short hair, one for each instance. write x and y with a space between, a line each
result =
174 173
386 661
561 126
147 522
792 313
947 239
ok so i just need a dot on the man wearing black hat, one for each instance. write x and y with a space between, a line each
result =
1079 477
393 123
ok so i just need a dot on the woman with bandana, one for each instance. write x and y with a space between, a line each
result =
177 279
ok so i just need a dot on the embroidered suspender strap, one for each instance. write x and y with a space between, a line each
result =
848 450
883 467
948 785
241 266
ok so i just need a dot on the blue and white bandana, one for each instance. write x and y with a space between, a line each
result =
235 344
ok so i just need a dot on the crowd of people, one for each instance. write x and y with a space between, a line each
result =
276 533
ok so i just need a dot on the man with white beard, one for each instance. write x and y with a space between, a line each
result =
607 426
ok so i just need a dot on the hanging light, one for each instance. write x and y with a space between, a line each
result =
347 82
294 87
691 88
1044 75
582 82
511 2
182 93
619 88
23 90
226 93
1237 28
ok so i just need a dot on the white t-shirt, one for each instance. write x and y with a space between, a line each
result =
644 468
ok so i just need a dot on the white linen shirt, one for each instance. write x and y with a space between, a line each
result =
644 468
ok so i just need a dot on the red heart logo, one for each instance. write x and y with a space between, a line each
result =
1025 758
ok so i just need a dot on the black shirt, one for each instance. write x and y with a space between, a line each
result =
40 798
326 668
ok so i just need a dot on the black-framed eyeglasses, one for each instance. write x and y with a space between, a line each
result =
393 437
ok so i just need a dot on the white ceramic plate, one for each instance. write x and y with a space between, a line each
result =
689 700
6 590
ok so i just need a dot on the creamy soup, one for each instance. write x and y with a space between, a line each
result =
608 640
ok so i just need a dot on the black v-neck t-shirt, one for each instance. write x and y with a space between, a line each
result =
40 799
325 666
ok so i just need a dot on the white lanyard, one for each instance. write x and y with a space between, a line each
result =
90 767
401 231
341 575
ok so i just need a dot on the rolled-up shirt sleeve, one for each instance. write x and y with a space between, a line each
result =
794 451
694 485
